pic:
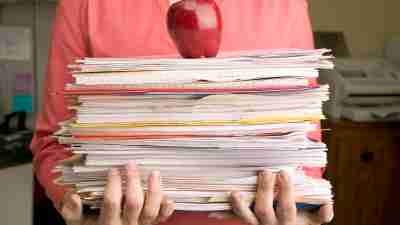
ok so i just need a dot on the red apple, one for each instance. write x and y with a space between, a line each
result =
196 27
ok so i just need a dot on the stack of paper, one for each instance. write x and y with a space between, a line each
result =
208 125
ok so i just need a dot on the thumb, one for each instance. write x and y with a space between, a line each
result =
71 209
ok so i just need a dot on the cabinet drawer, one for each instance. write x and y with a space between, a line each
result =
363 166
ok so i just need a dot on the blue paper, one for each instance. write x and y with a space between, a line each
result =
304 206
22 103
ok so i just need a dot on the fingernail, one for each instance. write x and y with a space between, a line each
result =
283 176
156 175
267 175
131 165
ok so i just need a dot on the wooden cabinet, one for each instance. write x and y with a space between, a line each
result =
363 166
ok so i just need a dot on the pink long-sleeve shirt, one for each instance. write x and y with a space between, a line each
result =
129 28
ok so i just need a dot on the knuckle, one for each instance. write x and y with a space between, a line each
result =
287 216
236 199
261 187
261 212
133 204
152 191
265 187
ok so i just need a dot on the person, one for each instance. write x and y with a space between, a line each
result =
131 28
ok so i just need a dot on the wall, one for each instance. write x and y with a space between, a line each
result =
45 14
39 18
392 18
363 23
15 15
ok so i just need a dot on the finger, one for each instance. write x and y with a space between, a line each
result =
134 197
71 209
153 199
286 211
111 209
166 210
264 208
242 209
324 215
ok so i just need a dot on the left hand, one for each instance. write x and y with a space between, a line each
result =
286 212
139 207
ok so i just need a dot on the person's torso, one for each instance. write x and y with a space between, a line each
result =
128 28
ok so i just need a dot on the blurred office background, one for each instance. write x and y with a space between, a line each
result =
357 28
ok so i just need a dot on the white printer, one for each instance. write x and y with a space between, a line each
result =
363 90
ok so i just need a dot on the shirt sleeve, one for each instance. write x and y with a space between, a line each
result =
69 41
301 29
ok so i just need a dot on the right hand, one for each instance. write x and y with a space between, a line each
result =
264 212
139 208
